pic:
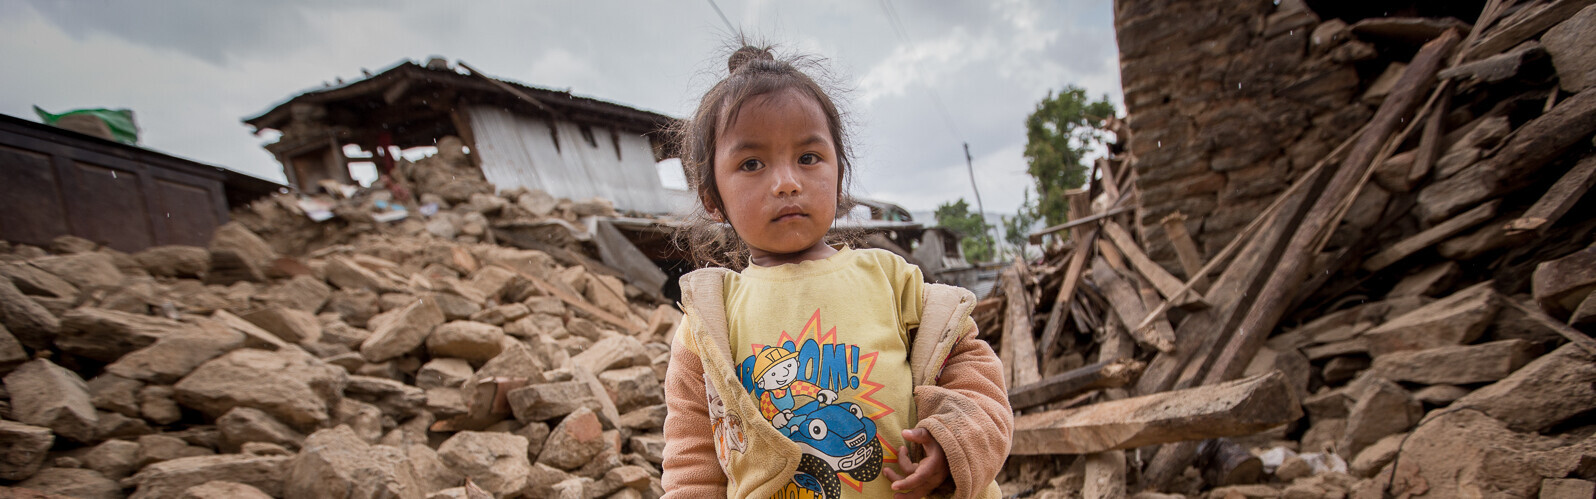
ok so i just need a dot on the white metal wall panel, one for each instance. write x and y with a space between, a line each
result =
518 151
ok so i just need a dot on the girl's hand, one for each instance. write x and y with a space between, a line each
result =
918 479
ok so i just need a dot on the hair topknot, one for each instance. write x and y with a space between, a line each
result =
745 54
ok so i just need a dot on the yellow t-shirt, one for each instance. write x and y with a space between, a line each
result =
823 347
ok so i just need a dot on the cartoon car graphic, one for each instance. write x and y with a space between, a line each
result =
840 436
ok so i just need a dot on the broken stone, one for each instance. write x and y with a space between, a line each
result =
1545 392
174 261
1571 488
107 335
238 255
1571 44
1383 408
73 482
218 489
254 336
1455 320
649 418
349 275
1374 457
32 324
264 449
1458 365
491 282
115 425
575 441
84 270
475 342
48 395
406 332
443 373
171 478
501 314
354 306
177 353
495 461
613 352
35 281
303 292
649 445
115 393
336 459
543 402
1562 283
247 424
1469 454
446 403
432 474
455 307
636 387
293 326
292 386
536 435
158 448
157 404
393 398
1426 282
1440 395
116 459
22 449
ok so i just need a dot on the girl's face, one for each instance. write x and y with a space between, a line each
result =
776 170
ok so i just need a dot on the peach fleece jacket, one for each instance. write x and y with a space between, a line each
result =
959 395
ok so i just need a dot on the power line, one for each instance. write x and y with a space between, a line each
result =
722 16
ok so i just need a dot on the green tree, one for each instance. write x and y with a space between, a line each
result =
1017 229
972 229
1057 138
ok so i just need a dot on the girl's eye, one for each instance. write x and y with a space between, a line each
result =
809 159
750 165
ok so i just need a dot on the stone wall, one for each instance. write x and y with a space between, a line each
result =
1227 102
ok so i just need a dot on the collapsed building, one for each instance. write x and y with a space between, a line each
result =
1345 250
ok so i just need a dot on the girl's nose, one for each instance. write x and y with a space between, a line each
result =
786 180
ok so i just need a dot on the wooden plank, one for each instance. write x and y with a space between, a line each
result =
1036 236
1166 284
1285 279
1240 407
1430 141
1105 475
631 327
1559 199
1573 335
1429 237
1531 21
1127 304
1191 259
507 88
1019 346
1066 293
1106 374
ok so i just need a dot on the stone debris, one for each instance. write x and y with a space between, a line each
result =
292 358
1429 298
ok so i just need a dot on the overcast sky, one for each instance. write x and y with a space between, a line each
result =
191 69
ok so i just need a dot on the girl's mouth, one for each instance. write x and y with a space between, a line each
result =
789 213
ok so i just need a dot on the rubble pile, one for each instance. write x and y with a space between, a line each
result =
361 355
1410 318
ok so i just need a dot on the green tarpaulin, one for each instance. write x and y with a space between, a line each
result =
120 121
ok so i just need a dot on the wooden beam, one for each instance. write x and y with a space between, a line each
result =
507 88
1285 279
1574 335
1037 236
1066 293
631 327
1106 374
1019 347
1240 407
1191 259
1429 237
1161 279
1559 199
1529 22
1127 304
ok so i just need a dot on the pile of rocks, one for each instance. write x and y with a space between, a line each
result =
394 363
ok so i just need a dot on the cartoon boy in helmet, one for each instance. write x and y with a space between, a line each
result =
776 382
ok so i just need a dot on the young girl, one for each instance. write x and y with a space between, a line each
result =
805 374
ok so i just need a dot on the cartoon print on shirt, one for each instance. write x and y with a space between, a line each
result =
816 390
728 428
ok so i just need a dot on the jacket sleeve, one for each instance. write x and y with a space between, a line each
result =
968 413
690 467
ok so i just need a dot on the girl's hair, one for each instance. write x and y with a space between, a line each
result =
753 71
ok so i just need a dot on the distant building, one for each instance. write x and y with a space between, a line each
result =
520 136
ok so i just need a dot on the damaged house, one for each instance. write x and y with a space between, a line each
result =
520 136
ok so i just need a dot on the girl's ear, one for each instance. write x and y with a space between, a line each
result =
710 207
